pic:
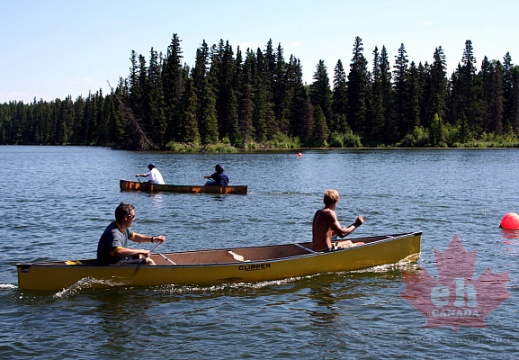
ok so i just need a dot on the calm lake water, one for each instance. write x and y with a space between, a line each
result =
56 201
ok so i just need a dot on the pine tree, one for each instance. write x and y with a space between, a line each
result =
438 134
321 132
188 126
246 100
339 103
281 93
438 87
208 117
172 85
301 110
390 126
155 98
375 119
514 100
320 92
358 89
508 88
400 75
467 90
261 98
413 98
206 100
491 78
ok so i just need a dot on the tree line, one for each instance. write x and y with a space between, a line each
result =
258 98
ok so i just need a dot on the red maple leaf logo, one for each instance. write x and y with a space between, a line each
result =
455 299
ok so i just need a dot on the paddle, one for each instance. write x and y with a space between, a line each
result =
155 246
162 255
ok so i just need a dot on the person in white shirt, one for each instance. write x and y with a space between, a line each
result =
154 176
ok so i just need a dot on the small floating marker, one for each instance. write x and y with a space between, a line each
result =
510 221
299 155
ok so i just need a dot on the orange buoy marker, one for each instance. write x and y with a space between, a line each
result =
510 221
299 155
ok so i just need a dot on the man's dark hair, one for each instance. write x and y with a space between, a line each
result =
122 210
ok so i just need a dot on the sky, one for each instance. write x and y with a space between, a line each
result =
51 49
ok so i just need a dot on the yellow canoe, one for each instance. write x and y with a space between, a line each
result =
185 189
206 267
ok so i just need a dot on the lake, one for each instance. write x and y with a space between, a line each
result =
56 201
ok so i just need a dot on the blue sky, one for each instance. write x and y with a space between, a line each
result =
55 48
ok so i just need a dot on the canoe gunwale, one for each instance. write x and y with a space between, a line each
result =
311 252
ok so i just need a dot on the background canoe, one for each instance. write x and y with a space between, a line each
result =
185 189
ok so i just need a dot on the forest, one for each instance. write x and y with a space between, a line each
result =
231 100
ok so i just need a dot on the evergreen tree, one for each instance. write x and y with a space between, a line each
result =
438 134
320 92
413 96
264 118
306 120
78 128
246 129
188 126
281 93
466 91
136 92
339 104
172 85
155 98
514 100
400 77
223 70
436 98
376 111
246 102
390 126
508 88
208 116
66 121
103 117
206 104
301 110
321 132
119 123
358 89
491 78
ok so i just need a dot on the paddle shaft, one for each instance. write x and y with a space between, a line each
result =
155 246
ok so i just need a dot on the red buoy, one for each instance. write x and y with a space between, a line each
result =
299 155
510 221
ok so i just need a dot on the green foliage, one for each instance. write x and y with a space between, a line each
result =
182 148
220 148
255 100
283 141
418 138
438 133
345 140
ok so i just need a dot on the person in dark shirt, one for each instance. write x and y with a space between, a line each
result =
112 246
219 178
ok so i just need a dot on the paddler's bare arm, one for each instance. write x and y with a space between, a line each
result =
340 231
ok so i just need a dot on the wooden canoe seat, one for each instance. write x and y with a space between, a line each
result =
307 249
237 257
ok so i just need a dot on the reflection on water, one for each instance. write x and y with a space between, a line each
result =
510 234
